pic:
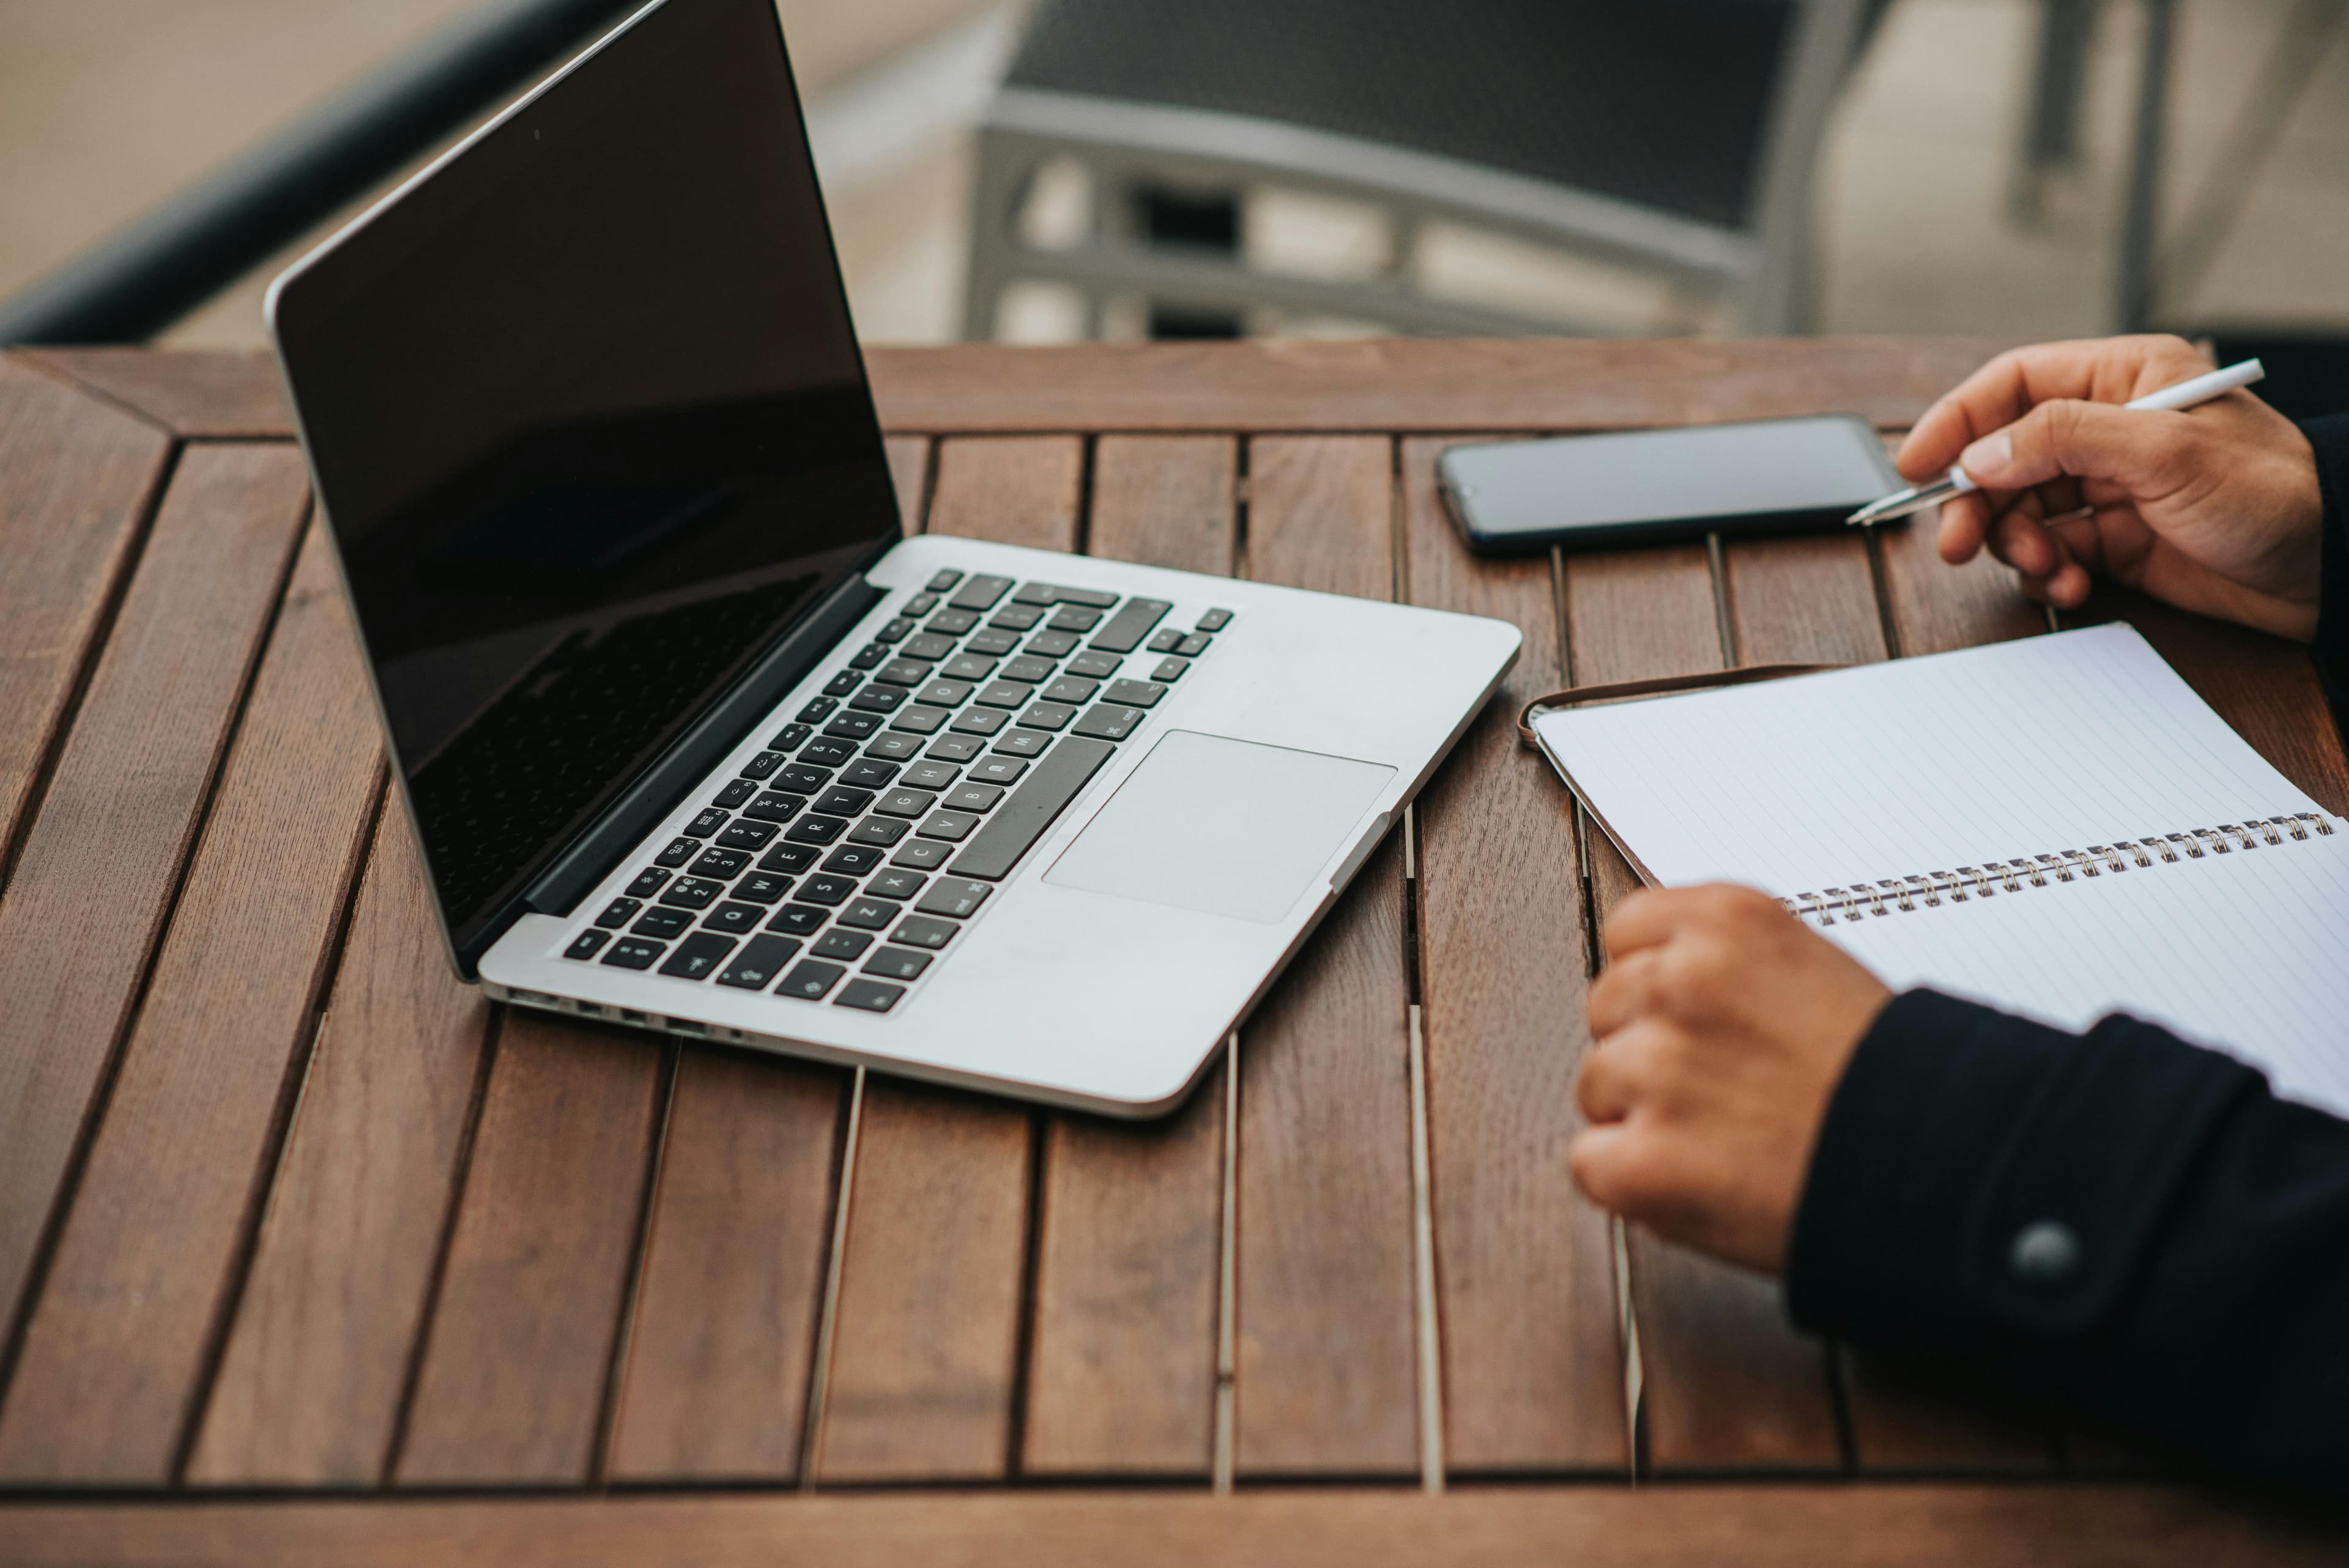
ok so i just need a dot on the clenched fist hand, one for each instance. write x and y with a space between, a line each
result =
1722 1024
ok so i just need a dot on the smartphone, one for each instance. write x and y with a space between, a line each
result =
1648 487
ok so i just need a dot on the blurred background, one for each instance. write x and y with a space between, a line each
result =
1053 170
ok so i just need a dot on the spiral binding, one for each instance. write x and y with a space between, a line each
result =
1867 900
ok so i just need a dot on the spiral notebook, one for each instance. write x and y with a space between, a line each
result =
2057 826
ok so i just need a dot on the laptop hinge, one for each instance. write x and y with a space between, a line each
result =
656 791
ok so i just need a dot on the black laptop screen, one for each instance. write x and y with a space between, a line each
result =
592 430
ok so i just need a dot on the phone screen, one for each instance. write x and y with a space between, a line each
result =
1651 483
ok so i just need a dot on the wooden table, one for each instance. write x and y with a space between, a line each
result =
309 1256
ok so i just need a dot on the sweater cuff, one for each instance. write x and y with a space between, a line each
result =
1981 1179
2330 438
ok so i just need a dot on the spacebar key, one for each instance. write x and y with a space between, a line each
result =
1029 810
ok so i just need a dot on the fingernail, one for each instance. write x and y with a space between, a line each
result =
1989 457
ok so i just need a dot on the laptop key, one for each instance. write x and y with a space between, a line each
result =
798 919
1130 625
1047 716
1166 641
1043 594
747 835
1008 692
762 886
1026 667
993 644
787 858
974 796
801 779
679 852
736 792
663 923
930 776
1015 618
920 720
897 963
1109 721
773 806
922 854
867 773
837 943
921 604
648 882
951 622
634 952
723 864
922 931
878 698
697 956
955 748
1013 827
842 801
979 720
1073 617
615 913
868 915
852 859
929 646
953 826
893 629
1053 644
893 747
826 752
853 726
1073 691
814 829
1023 743
811 980
827 888
842 684
946 693
1215 620
707 821
998 770
869 656
981 592
760 959
1096 598
1135 693
943 580
818 709
1095 666
1193 645
967 667
898 885
1170 669
733 919
903 672
954 896
691 893
907 803
879 831
587 944
870 995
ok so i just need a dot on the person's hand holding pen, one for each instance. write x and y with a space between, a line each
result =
2214 509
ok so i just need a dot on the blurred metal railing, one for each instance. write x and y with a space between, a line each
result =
165 263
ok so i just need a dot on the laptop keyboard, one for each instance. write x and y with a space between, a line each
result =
842 862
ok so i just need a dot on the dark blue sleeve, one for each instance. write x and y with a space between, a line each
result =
2330 437
2129 1220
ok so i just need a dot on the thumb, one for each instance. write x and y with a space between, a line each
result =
2148 453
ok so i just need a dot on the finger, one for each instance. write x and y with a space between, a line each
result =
1602 1158
1648 917
2149 453
2021 542
1966 527
1624 992
2110 370
1604 1091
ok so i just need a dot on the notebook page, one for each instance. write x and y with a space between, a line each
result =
2247 951
1916 765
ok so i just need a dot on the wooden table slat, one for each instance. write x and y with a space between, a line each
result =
516 1361
1325 1378
1122 1370
926 1354
117 1352
86 905
90 479
317 1362
1533 1364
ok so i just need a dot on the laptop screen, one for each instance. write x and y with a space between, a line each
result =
592 432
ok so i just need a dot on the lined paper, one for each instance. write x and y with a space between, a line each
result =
2030 747
2248 951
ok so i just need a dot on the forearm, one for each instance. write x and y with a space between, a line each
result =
2122 1217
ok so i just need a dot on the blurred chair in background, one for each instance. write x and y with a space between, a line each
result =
1675 138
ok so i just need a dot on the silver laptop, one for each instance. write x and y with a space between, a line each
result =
691 739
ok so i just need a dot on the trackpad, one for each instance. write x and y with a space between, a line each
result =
1223 827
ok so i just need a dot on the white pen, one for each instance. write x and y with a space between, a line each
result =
2184 395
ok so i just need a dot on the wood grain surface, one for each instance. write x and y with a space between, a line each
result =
85 479
310 1385
213 394
101 864
1121 1372
1782 1526
517 1359
1014 489
115 1352
1533 1366
1325 1379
